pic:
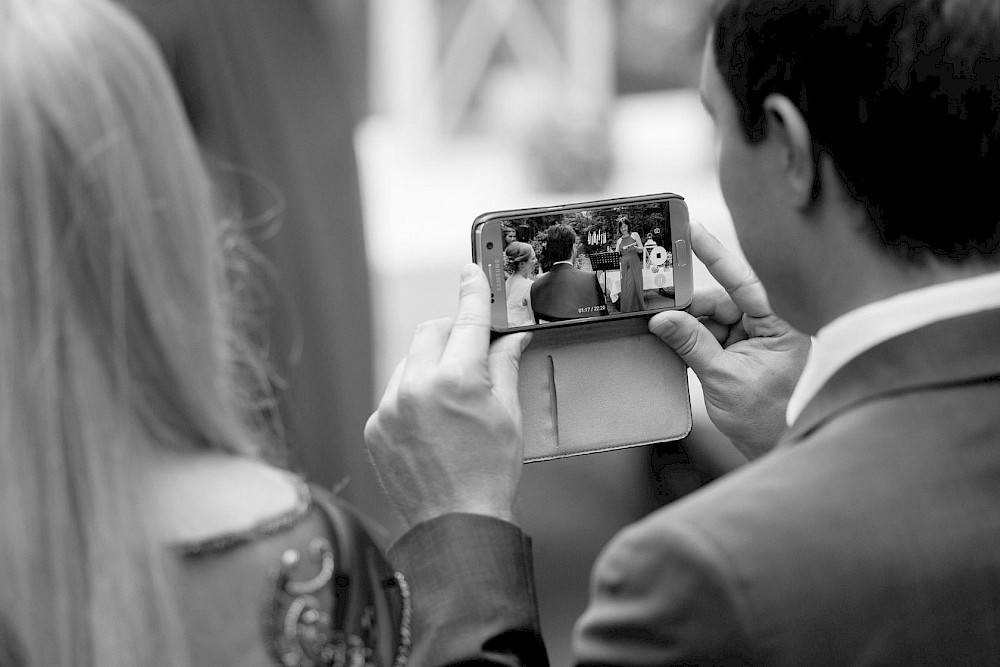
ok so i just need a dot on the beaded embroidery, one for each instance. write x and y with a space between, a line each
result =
303 625
301 619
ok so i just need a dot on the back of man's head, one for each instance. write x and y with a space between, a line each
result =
904 95
559 243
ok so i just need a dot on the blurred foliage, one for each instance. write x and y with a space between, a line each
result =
561 129
568 149
660 43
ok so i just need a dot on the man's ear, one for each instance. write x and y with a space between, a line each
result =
787 129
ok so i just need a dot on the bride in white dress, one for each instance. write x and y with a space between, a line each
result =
521 261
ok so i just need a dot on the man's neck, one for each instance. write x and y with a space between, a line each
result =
885 277
865 327
836 269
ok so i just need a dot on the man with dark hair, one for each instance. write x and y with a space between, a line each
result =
565 292
857 142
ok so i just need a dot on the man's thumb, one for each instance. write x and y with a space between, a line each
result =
689 339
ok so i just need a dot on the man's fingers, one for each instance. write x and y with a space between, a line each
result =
716 304
469 341
732 273
392 388
505 355
426 348
695 344
718 330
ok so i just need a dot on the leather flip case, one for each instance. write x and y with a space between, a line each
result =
598 387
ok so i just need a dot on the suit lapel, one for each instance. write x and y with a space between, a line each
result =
955 351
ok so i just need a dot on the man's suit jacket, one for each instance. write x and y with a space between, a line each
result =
869 536
566 292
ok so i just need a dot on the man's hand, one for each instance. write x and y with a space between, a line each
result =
747 358
447 434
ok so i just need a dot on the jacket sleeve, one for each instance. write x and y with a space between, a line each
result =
472 592
663 595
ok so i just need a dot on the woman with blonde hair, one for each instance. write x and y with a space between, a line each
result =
139 521
522 262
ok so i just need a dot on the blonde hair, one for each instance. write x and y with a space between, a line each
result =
517 254
116 331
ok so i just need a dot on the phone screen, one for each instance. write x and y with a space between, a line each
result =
606 259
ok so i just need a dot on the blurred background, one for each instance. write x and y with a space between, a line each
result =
360 139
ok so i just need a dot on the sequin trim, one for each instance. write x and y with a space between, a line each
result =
299 620
403 652
265 528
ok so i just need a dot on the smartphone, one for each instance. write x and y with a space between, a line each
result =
577 263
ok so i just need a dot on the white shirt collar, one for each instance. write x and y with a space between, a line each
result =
861 329
563 261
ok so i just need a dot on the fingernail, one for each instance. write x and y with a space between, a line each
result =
469 272
662 327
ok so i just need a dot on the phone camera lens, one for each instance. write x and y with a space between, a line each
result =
489 246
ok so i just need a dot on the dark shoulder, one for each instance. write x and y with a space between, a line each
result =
541 280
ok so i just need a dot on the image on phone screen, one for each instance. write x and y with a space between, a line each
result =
583 263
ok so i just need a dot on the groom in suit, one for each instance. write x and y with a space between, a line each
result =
867 530
565 292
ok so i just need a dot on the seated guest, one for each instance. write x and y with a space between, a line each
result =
565 292
141 522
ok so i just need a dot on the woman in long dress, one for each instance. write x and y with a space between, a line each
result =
522 261
629 249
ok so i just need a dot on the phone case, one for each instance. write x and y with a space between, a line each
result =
599 387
